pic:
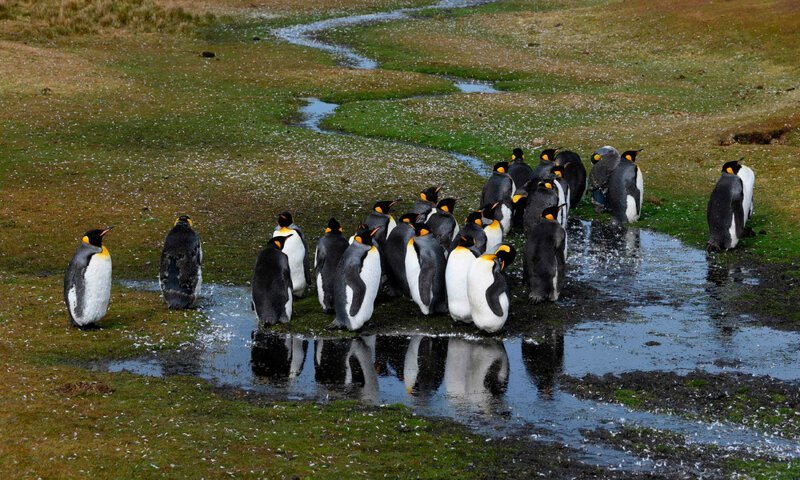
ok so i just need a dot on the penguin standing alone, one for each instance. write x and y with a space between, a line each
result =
545 254
358 280
326 258
456 271
499 186
272 284
604 161
297 251
626 189
425 266
488 289
87 283
727 208
180 275
395 253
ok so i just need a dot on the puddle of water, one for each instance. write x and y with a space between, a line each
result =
305 35
509 386
475 86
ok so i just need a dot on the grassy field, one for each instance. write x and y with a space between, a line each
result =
111 116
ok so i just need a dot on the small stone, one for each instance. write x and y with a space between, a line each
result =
208 54
652 343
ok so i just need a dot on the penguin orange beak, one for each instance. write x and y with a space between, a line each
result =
108 229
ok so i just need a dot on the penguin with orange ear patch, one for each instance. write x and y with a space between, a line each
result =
428 199
87 283
443 224
519 171
326 258
473 228
425 268
543 194
358 280
488 288
547 159
272 284
499 186
726 209
626 189
545 256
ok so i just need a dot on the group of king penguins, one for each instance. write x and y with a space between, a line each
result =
425 255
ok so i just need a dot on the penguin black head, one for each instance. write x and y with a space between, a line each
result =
732 167
551 213
421 229
333 226
506 253
285 220
604 152
501 167
278 242
465 241
630 155
364 235
410 218
546 184
488 211
447 205
476 218
384 206
548 154
517 154
430 194
557 170
185 220
95 237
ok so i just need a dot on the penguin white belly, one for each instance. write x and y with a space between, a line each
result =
630 209
748 183
96 292
506 222
456 231
199 284
640 188
455 275
296 253
732 231
411 364
479 280
562 200
391 225
494 236
371 276
288 307
295 345
413 270
320 291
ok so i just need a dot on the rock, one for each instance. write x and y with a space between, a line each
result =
208 54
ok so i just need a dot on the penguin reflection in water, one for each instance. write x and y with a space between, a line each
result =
296 250
180 275
730 206
277 358
476 372
487 288
348 363
358 279
272 284
87 283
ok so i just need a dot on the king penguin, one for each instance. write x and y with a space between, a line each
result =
564 192
272 284
425 267
748 183
520 172
296 249
458 265
443 224
604 161
357 283
574 174
326 258
544 195
395 253
87 283
488 289
381 218
473 228
546 159
726 209
545 255
499 186
180 275
428 199
626 189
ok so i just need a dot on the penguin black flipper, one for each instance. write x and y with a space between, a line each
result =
426 275
75 278
353 280
494 291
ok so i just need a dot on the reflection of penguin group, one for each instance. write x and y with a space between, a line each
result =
440 265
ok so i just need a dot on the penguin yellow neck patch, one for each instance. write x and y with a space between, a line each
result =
285 230
104 253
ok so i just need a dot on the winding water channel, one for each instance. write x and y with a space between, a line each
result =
669 319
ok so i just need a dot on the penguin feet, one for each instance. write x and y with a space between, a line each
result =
335 325
748 232
712 247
